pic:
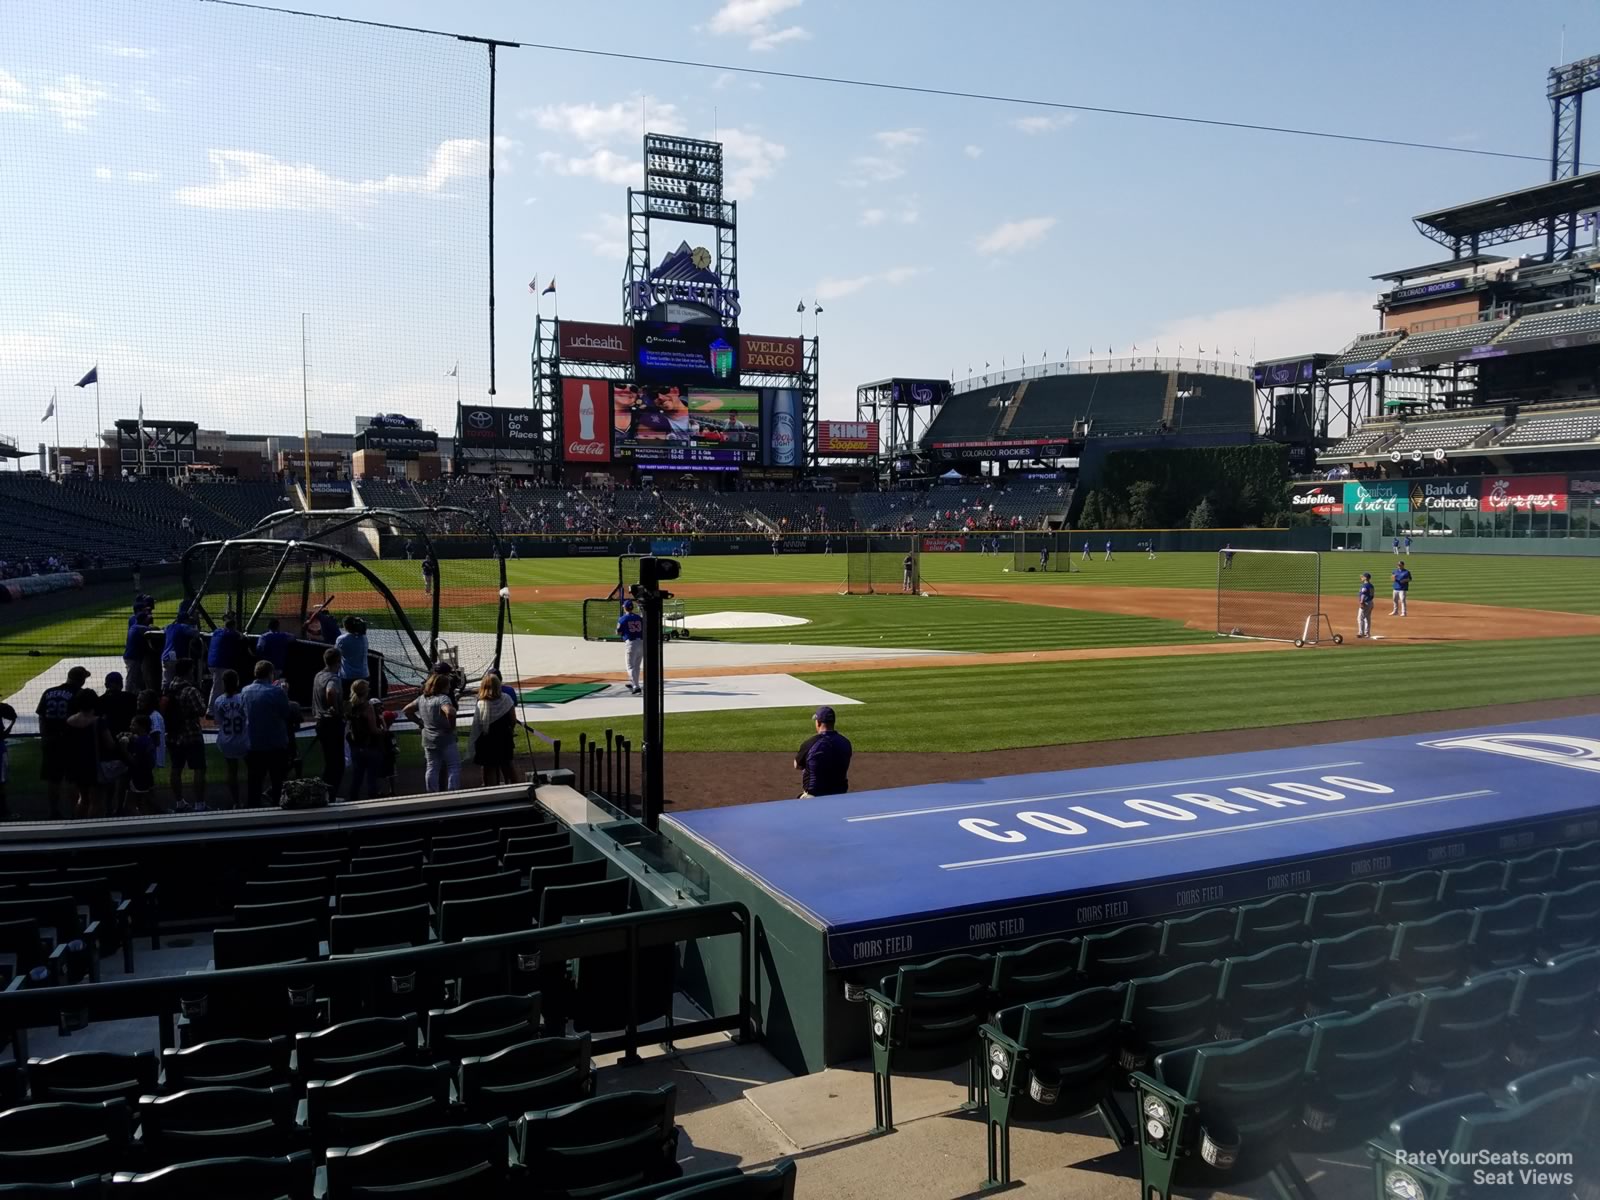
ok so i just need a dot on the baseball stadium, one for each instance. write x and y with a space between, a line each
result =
1139 774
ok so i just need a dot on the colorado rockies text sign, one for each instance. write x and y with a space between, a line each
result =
497 428
913 872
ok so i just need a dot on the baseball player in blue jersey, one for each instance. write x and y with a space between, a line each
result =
1108 551
1086 555
630 628
1044 558
1397 547
1364 606
1408 543
1402 585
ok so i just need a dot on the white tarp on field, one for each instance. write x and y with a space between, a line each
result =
721 693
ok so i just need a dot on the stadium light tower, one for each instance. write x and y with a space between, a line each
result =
1568 84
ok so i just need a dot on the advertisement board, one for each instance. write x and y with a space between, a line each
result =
497 428
686 354
782 445
1376 498
1587 486
921 391
1321 498
776 355
1285 374
1442 495
847 437
943 545
583 341
655 424
402 443
584 436
1525 493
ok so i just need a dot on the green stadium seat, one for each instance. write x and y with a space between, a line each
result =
488 847
1358 1074
434 1164
387 846
482 1027
283 891
89 1187
1338 911
23 952
497 884
486 916
1578 864
1507 934
1121 954
355 904
1214 1117
372 864
259 945
113 917
361 933
59 1142
1042 971
1534 873
236 1178
925 1017
92 1076
724 1183
599 1146
542 1073
380 1102
358 1045
1432 952
1257 993
434 873
590 870
526 860
319 852
323 869
1532 1084
130 881
1168 1012
604 897
530 829
1348 973
227 1062
1474 886
1413 897
1461 1036
286 912
1571 919
377 881
74 943
203 1122
546 841
462 837
1554 1011
1203 937
1052 1059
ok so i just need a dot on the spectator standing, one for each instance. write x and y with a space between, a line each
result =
186 742
53 709
435 712
150 707
327 711
824 758
139 749
273 645
352 647
492 741
366 740
92 763
136 652
269 719
8 719
179 638
224 650
233 742
116 705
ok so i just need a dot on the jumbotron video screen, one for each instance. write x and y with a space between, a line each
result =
686 424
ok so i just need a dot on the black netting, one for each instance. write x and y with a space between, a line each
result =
1049 552
883 566
1274 594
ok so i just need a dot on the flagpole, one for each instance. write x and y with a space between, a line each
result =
99 436
305 418
55 409
141 435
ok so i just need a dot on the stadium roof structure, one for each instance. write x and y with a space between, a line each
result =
1511 216
8 448
1438 268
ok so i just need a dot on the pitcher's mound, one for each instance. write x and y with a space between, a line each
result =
742 620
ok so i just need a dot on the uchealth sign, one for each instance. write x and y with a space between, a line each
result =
778 355
583 341
585 421
1524 493
1436 495
1322 498
847 437
1376 498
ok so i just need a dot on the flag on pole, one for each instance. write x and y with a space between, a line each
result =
92 377
533 286
453 372
801 307
549 287
50 410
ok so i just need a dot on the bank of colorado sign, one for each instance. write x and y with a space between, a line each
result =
1436 495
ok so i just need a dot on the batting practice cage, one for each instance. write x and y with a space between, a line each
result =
391 568
1275 595
1049 551
883 565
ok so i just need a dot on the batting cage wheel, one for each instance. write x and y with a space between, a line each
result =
882 565
1272 595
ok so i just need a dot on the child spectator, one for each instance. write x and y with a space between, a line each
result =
186 744
139 749
150 707
233 743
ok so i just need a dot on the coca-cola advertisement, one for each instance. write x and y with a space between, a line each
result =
585 420
1524 493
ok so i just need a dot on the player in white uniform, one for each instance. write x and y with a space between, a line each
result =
227 712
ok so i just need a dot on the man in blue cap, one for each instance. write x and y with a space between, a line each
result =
824 758
630 628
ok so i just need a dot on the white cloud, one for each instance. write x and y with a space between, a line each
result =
75 101
1291 324
13 94
104 173
1044 124
609 239
505 149
754 20
833 289
605 165
873 216
127 51
873 168
143 176
251 180
594 124
905 215
972 151
1012 236
898 139
749 158
143 98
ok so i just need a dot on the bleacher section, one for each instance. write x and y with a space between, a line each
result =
1459 337
1553 430
1214 404
1367 348
1440 436
1364 441
1560 323
974 416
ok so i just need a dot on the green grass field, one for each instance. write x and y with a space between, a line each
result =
992 707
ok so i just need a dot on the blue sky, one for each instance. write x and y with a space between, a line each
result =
178 182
